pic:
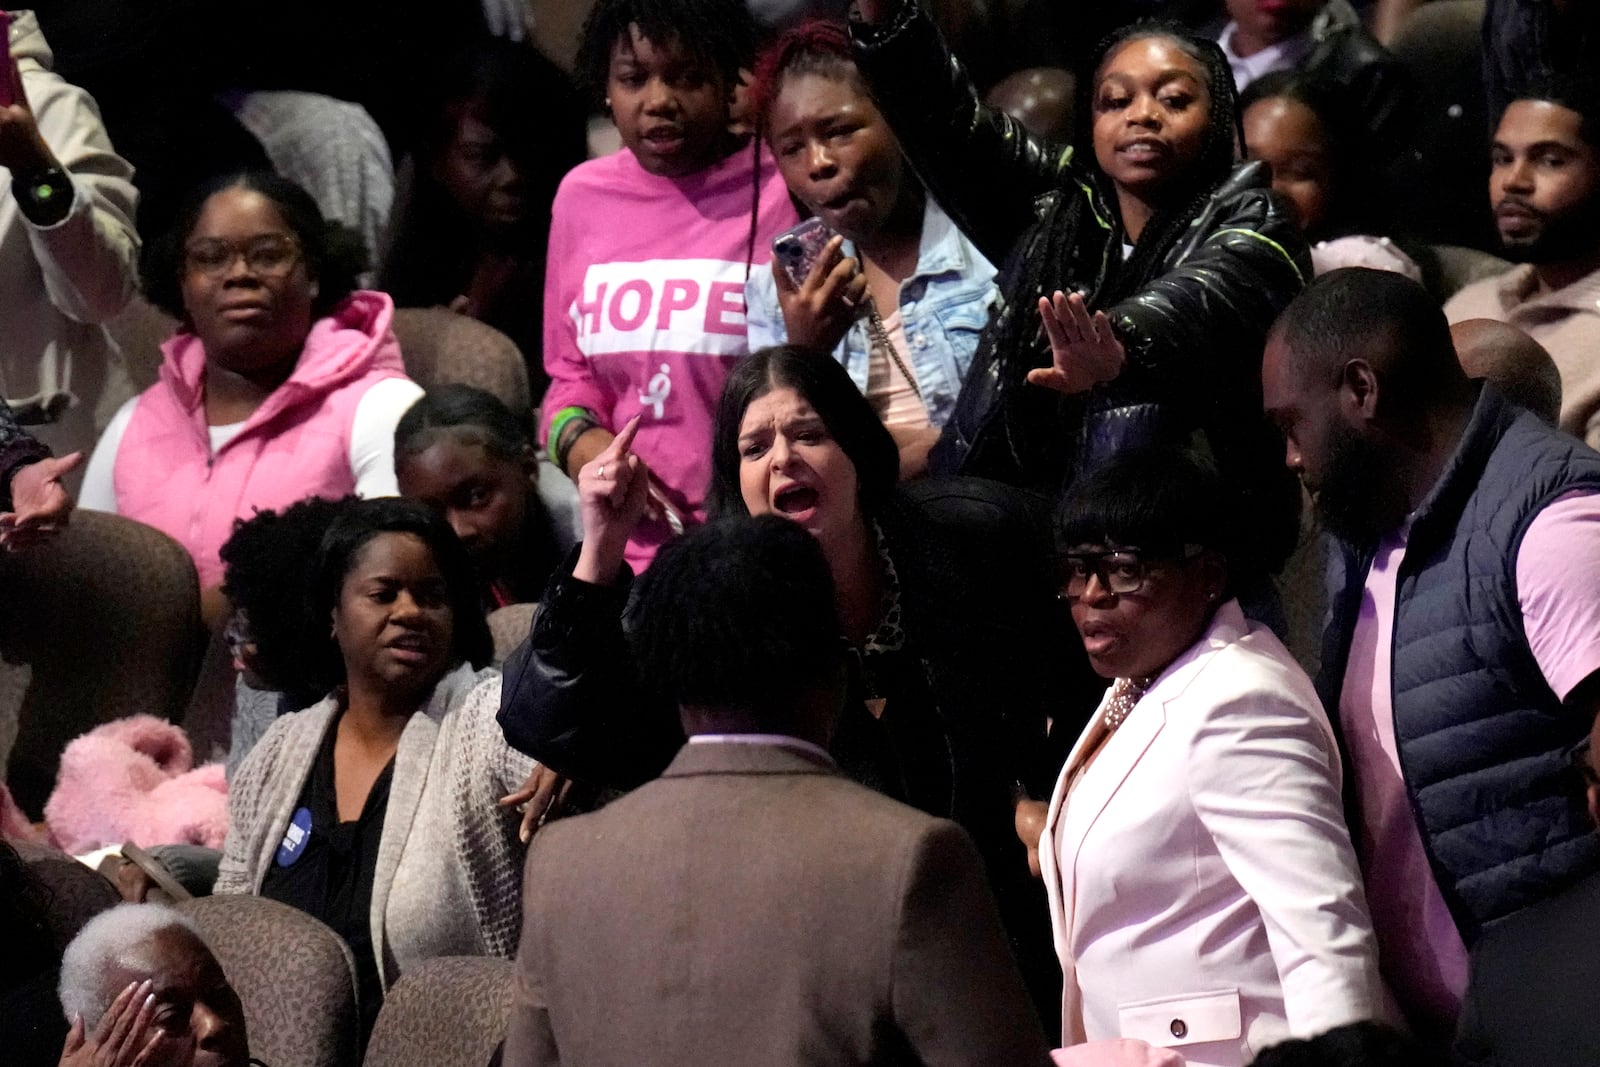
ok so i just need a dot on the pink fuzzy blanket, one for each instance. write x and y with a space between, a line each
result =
135 780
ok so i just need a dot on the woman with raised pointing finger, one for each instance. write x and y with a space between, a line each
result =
942 587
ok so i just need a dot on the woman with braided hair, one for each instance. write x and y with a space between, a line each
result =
1140 269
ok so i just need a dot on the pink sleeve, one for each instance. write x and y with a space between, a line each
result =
1558 570
572 380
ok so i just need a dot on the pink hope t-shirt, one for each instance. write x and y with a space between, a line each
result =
644 307
1558 568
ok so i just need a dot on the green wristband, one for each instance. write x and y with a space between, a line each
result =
559 424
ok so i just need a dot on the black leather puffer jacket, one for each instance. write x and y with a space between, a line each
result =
1193 326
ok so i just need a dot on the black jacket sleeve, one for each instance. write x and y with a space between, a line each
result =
1200 325
571 697
982 167
17 449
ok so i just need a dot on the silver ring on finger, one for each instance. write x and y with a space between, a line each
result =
602 472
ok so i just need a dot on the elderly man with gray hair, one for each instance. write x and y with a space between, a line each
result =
141 989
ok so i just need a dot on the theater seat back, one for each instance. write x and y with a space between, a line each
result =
100 623
295 976
441 347
445 1012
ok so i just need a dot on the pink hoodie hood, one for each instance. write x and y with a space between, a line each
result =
352 341
296 444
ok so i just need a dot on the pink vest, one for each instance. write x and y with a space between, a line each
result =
295 445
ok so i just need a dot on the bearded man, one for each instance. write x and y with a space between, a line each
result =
1544 186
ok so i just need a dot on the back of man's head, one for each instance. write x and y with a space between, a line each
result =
1383 318
1512 362
735 623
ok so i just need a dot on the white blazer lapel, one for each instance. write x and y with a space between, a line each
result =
1111 767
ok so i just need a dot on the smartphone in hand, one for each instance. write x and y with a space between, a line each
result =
8 65
797 248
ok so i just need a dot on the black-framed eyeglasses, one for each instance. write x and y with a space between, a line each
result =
1121 570
272 255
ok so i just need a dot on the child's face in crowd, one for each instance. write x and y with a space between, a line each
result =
1544 183
670 107
482 496
479 174
836 152
1287 135
1151 106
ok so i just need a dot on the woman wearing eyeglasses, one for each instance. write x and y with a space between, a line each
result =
283 381
1204 894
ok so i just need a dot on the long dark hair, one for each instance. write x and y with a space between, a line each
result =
1054 259
827 387
359 522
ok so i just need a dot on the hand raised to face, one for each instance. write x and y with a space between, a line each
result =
126 1036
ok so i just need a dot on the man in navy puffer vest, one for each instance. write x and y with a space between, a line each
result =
1462 654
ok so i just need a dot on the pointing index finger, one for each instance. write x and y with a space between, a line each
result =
624 440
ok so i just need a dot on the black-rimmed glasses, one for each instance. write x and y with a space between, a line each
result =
1121 570
273 255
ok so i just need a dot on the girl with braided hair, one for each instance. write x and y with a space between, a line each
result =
1141 268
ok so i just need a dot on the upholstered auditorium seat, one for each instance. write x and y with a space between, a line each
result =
445 1012
295 976
101 622
441 347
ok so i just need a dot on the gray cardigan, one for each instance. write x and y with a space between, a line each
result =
449 870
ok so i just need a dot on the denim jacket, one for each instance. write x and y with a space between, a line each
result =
944 306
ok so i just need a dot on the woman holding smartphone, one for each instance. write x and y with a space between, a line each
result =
898 293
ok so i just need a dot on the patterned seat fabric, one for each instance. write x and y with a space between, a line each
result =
295 976
441 347
445 1012
73 893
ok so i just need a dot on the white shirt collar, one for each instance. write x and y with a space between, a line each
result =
1281 56
778 740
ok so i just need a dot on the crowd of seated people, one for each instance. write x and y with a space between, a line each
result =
873 636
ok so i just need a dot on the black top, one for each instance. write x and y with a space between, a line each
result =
329 873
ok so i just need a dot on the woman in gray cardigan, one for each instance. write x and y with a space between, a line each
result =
376 809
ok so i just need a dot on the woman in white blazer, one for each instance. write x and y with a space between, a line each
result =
1203 891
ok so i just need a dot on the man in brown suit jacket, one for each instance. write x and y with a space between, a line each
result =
753 906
